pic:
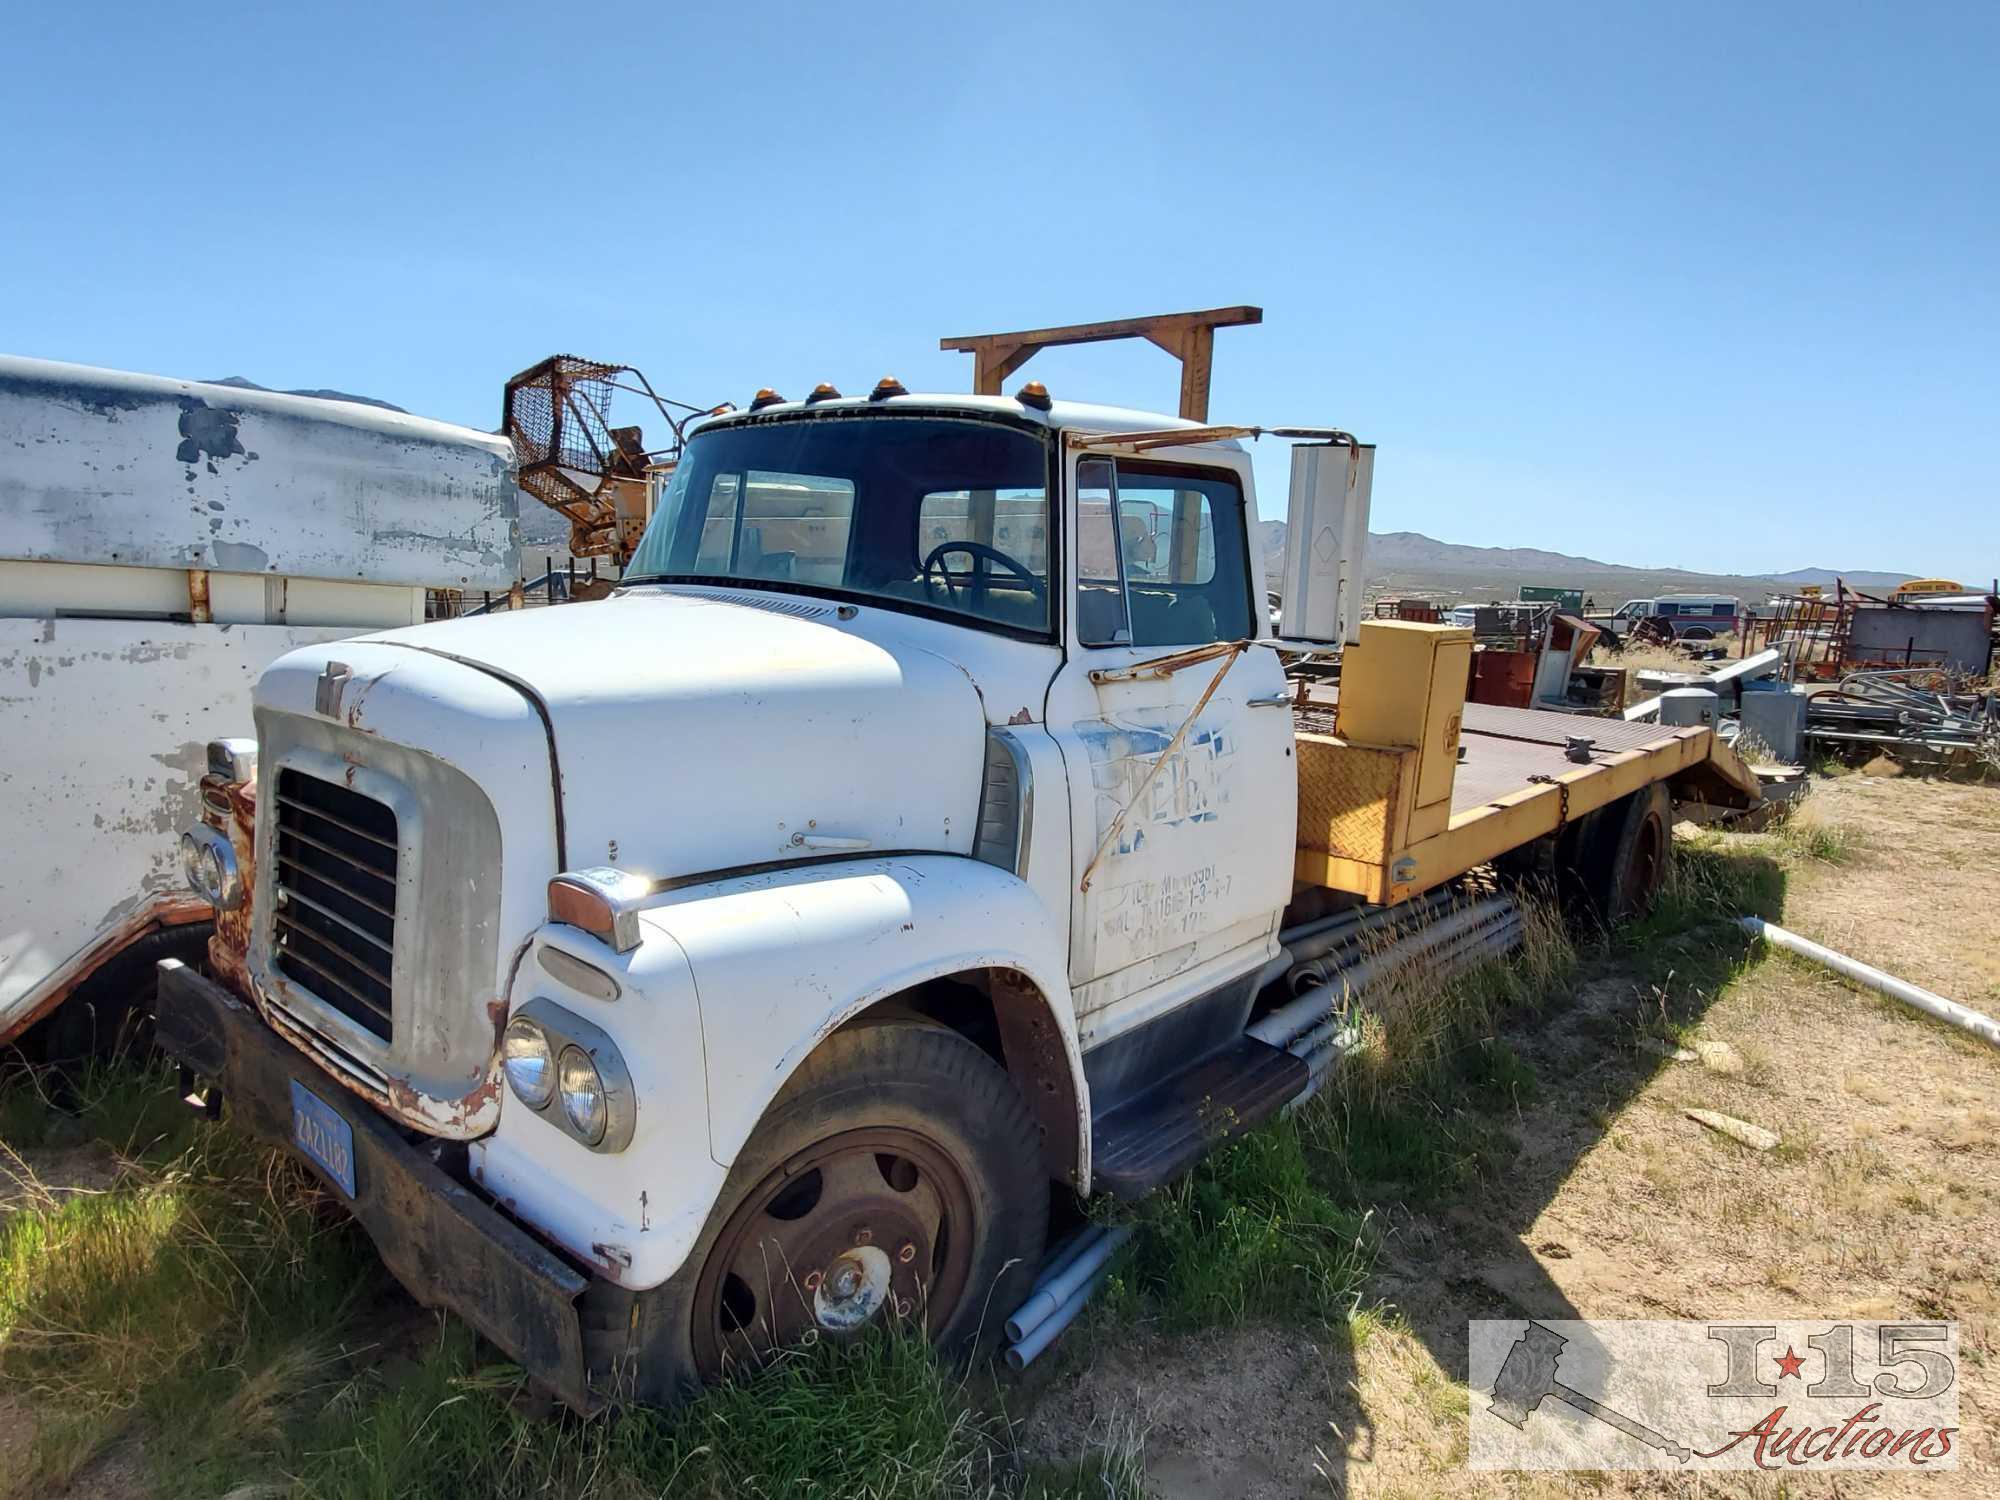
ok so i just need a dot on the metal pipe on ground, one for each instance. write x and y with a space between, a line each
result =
1432 930
1469 949
1317 961
1049 1298
1497 936
1313 944
1314 1002
1335 1039
1962 1016
1430 935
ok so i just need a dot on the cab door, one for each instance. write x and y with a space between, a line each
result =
1183 809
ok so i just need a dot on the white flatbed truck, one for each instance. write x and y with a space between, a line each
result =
912 836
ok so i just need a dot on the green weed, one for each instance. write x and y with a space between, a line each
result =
1251 1233
879 1417
1810 839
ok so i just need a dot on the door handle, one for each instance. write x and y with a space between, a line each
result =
1276 700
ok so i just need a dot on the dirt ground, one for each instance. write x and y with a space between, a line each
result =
1883 1199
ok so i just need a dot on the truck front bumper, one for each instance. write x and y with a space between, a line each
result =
443 1242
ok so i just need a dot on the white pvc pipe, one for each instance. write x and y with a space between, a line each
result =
1048 1299
1025 1351
1963 1017
1063 1259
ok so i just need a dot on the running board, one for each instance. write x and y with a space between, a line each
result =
1154 1137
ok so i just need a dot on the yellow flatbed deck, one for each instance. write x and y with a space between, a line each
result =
1419 786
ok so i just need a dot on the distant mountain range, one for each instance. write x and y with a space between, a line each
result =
243 384
1411 560
1859 578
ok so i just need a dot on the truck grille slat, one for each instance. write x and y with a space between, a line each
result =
320 877
348 959
340 823
345 861
332 844
293 895
327 976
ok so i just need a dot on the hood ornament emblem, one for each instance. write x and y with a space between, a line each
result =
332 683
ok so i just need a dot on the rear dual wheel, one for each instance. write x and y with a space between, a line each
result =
897 1179
1612 863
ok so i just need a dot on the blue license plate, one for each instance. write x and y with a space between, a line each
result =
324 1137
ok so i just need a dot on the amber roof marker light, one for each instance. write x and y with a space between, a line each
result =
1034 394
765 397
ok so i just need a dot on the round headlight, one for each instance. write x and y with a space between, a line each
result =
582 1094
524 1057
201 868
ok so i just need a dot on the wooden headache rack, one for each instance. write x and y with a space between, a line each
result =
1188 336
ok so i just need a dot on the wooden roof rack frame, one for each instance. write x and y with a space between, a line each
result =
1188 336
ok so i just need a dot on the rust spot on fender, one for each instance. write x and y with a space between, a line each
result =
229 948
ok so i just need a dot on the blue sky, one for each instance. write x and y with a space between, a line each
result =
1701 285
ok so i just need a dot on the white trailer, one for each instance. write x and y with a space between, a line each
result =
161 542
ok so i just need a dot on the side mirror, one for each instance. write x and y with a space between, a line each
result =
1326 540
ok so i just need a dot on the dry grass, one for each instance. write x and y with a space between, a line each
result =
1588 1193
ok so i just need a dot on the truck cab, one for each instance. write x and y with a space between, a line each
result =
907 842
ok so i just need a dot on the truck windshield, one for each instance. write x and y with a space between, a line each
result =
936 513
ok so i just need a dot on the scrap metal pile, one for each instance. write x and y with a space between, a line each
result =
1855 676
1918 713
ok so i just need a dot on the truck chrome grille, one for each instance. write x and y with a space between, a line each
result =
334 927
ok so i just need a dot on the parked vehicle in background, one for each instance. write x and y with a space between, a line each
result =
162 542
1917 589
1689 617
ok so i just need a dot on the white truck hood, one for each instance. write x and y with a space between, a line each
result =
694 734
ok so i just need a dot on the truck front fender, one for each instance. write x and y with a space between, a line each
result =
782 960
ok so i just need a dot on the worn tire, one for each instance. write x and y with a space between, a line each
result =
1611 863
897 1076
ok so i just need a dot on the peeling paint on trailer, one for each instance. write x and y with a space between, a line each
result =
102 773
105 466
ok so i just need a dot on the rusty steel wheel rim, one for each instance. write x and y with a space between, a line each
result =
1648 866
857 1230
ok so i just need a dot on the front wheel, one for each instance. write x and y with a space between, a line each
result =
896 1177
